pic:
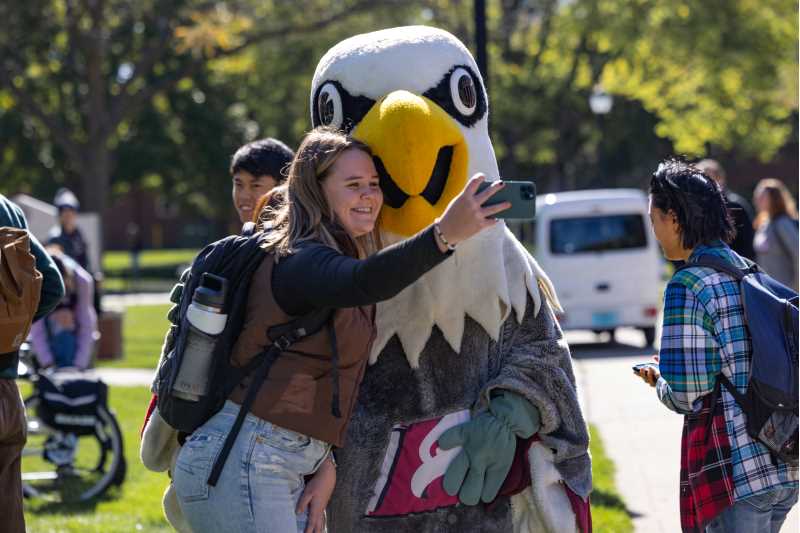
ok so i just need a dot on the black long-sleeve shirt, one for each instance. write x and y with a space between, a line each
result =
317 276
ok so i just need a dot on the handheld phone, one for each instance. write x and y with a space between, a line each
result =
641 366
521 194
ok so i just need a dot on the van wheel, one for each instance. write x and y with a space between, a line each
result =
649 336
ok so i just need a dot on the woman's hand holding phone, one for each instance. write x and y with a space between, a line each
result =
466 215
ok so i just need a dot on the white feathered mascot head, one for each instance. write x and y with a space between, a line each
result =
415 96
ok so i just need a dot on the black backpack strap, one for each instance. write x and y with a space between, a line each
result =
717 263
309 325
334 369
740 398
265 362
285 335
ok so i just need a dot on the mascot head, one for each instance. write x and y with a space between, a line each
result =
415 96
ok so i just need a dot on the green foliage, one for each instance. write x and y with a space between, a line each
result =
272 82
158 95
714 72
694 77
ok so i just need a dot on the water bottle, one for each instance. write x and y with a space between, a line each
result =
206 321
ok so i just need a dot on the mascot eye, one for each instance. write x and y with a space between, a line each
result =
329 106
463 92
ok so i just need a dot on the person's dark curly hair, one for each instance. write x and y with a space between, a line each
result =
695 199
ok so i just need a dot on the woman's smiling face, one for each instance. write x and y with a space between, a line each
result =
352 191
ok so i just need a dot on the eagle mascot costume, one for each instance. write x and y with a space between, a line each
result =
467 418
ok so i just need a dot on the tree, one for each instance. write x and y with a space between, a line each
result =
159 93
82 71
696 77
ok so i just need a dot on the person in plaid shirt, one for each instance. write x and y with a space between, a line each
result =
729 482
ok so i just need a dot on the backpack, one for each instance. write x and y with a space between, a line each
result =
234 258
70 401
20 289
770 403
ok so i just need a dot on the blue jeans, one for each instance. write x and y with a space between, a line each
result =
763 513
260 484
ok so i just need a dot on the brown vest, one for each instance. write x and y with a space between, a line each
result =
298 391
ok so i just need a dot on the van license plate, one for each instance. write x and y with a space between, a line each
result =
604 319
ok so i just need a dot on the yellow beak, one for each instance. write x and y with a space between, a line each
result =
421 157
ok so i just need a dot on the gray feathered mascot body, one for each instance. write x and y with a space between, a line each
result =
480 323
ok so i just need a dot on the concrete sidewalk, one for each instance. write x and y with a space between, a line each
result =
641 436
126 377
121 301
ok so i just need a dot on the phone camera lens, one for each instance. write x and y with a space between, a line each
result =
527 193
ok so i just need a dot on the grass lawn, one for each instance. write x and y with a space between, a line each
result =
143 329
127 285
135 506
149 258
609 514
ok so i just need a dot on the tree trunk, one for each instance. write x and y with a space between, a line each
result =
95 178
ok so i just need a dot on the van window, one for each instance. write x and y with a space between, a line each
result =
597 234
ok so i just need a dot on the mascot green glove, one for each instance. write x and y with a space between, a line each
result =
488 444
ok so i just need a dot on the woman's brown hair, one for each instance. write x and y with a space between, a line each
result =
780 201
299 211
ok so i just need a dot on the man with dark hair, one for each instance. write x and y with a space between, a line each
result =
729 481
256 168
739 208
12 412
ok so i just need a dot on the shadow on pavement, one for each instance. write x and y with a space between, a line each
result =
607 499
601 350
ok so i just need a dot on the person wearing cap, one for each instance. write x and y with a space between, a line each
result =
66 234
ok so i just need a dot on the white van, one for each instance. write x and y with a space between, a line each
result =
603 258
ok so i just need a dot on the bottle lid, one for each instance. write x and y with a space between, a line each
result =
211 291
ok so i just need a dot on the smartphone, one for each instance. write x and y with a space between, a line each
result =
521 194
641 366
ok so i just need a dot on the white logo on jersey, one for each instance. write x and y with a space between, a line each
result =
434 466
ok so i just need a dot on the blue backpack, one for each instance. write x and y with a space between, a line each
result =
770 403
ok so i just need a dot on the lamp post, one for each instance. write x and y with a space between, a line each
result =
480 39
600 102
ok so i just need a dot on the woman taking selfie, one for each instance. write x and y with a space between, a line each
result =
322 253
729 481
